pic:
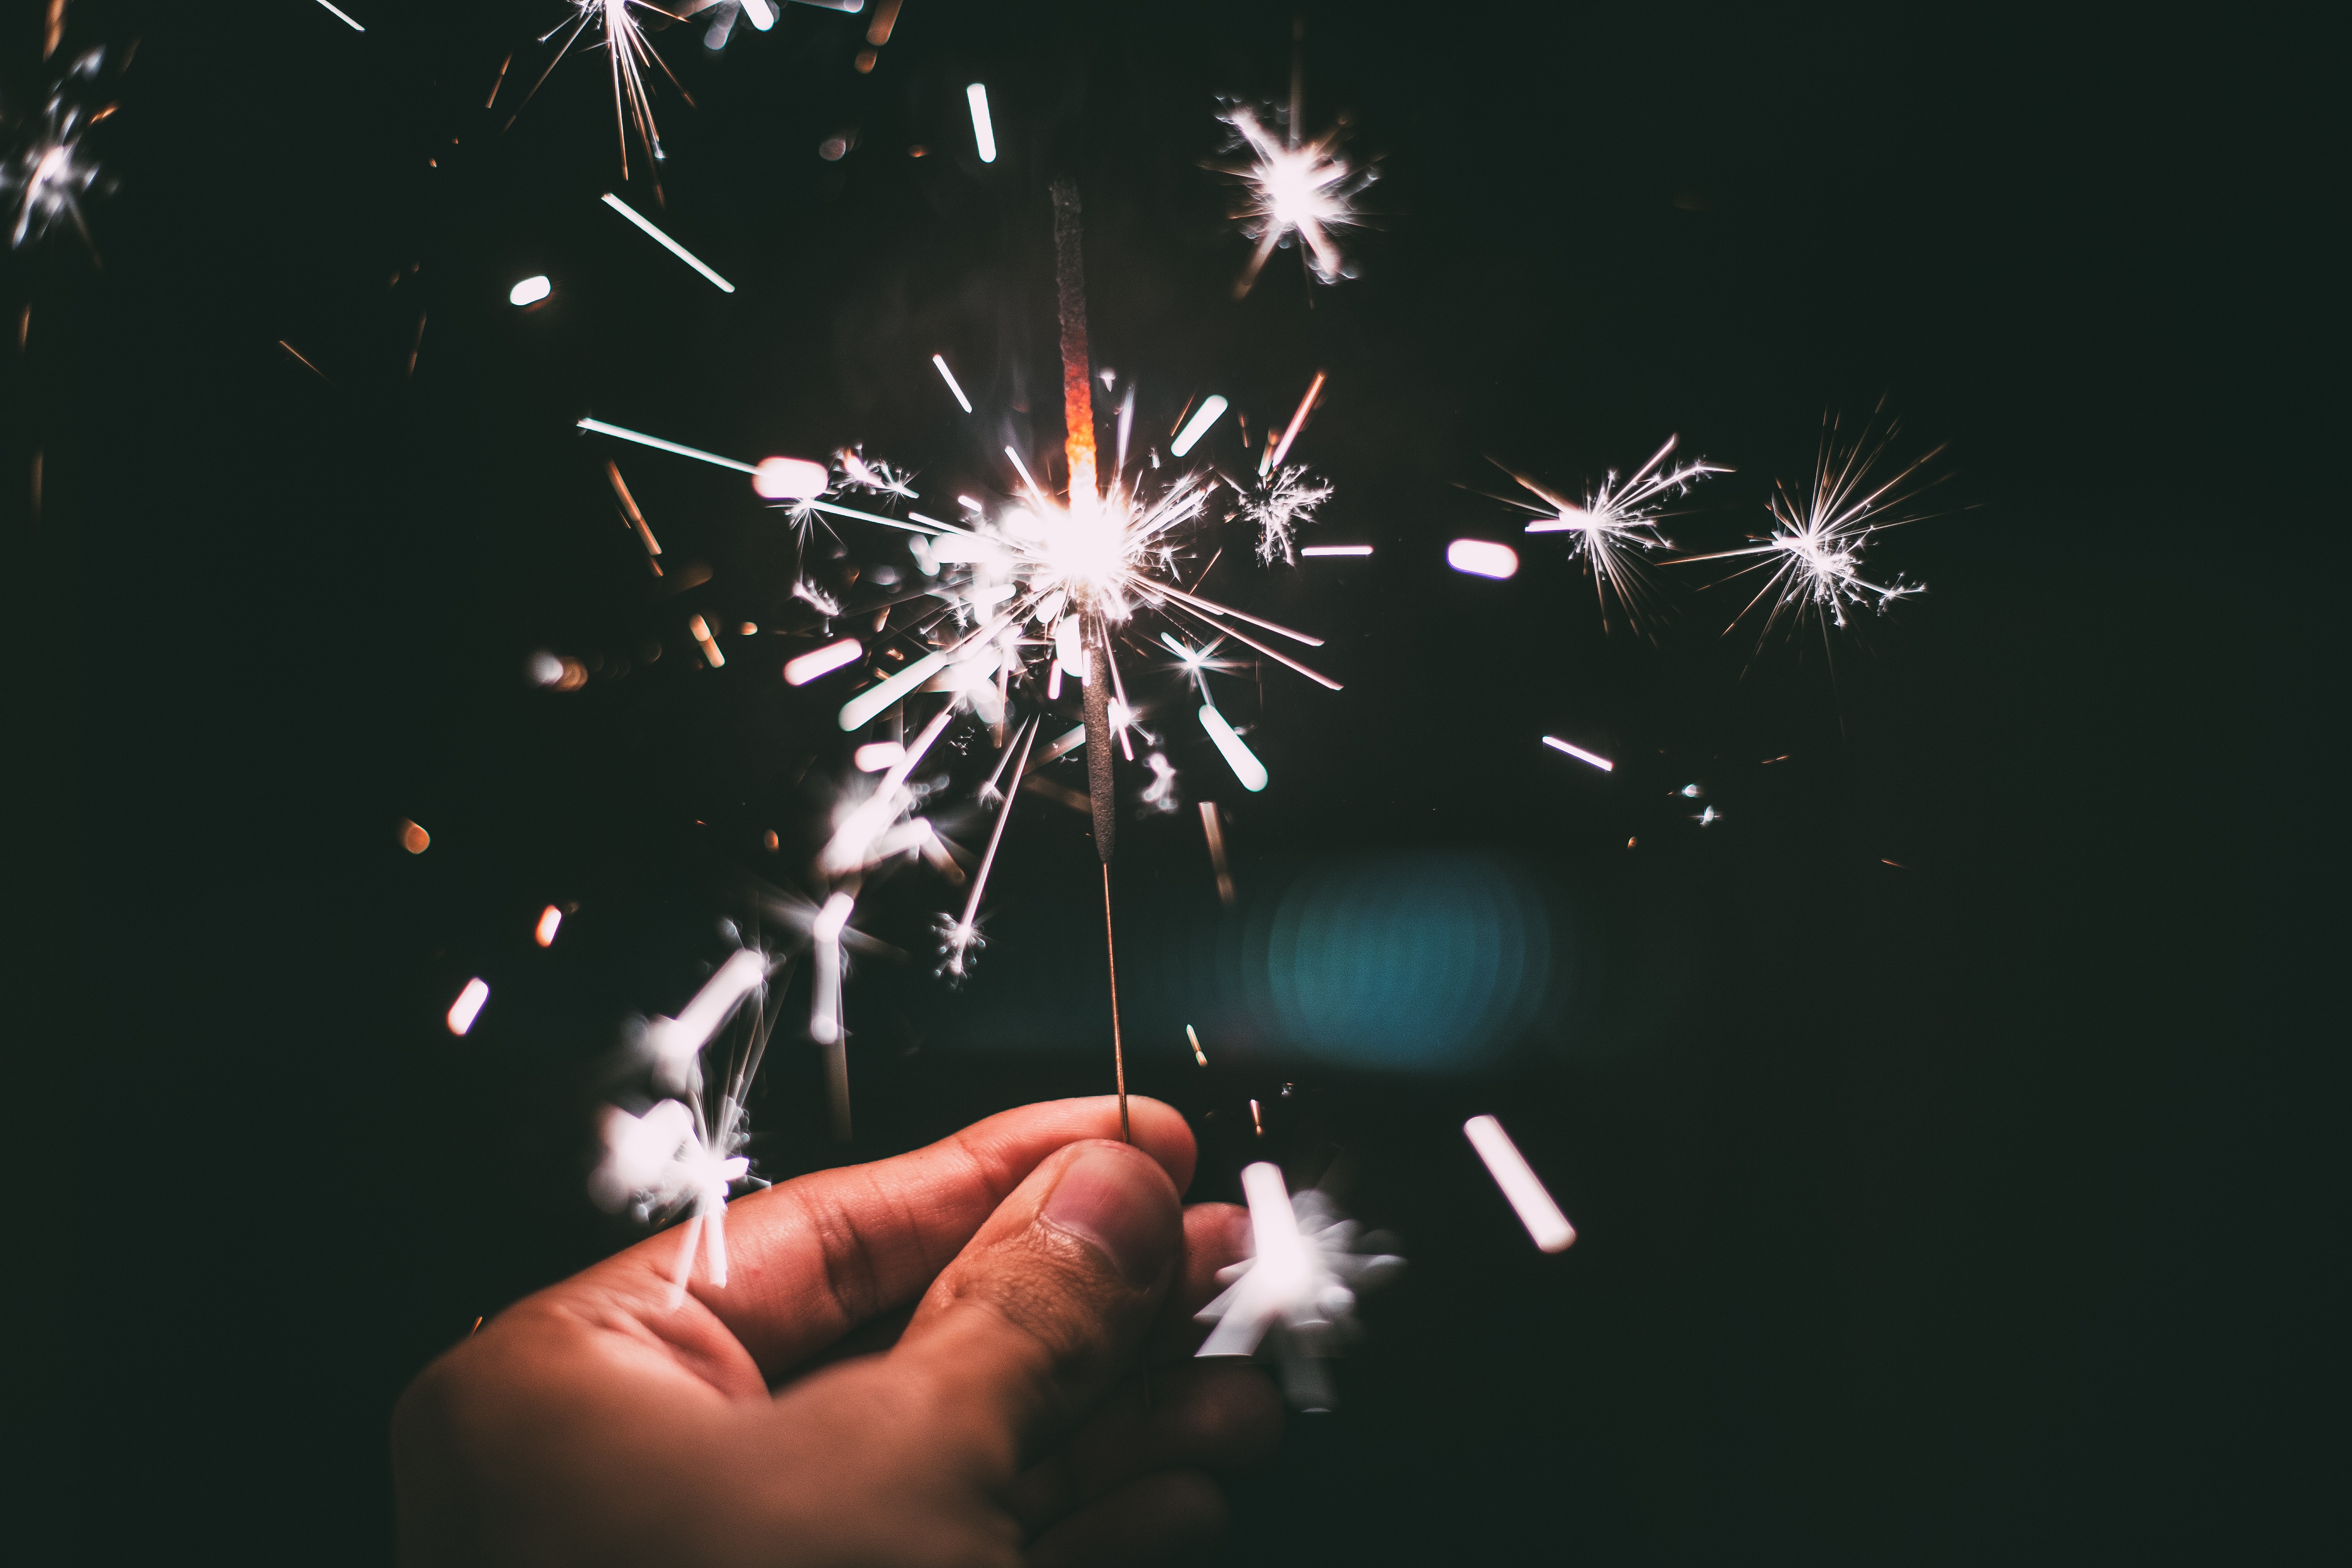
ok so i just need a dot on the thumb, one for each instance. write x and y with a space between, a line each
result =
1040 1311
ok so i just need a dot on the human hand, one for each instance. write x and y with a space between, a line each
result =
1048 1271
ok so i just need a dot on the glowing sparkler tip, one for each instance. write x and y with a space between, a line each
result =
1483 558
789 479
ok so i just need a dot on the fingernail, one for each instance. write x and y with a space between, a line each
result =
1120 1203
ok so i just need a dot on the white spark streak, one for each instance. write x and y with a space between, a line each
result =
1581 754
1212 408
860 710
342 16
676 1043
599 427
469 1005
953 385
983 133
876 755
1239 757
1335 550
1482 558
807 666
530 291
673 247
1544 1223
1275 453
549 918
1615 522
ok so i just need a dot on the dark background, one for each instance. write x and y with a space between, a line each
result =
1962 1211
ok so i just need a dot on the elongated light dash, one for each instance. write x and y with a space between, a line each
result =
1335 550
549 918
983 133
1243 761
469 1005
1580 753
800 671
673 247
859 710
345 17
1210 409
1509 1168
599 427
949 376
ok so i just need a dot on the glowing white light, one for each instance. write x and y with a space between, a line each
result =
344 17
1245 763
1542 1218
1212 407
546 670
831 920
949 376
761 16
984 134
549 918
824 661
1580 753
1482 558
673 247
674 1043
599 427
1336 550
876 755
530 291
859 710
469 1005
789 479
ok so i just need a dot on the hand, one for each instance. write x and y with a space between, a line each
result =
1049 1272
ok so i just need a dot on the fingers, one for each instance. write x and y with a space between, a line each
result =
813 1258
1203 1414
1159 1518
1036 1317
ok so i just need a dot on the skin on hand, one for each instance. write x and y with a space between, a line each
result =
1045 1272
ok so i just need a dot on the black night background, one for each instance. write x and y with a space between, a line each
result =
1955 1209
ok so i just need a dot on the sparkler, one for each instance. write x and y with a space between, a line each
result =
1615 523
1300 1284
1813 557
627 51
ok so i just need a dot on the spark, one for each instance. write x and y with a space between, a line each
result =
1301 1284
1616 522
343 17
1279 509
1813 557
939 362
47 176
628 54
599 427
469 1005
1212 829
1198 1055
667 243
806 668
1307 191
1483 558
701 630
1581 754
1281 449
877 756
1536 1211
1335 550
530 291
1239 757
415 839
1212 408
983 133
549 918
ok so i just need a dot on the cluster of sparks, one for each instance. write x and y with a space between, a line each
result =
1292 191
1616 523
614 26
50 173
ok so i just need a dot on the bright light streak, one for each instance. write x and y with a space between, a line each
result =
860 710
1580 753
983 134
1245 763
549 918
761 16
530 291
1280 1251
701 630
1482 558
1198 1055
469 1005
673 247
1336 550
949 376
789 479
598 427
1212 407
831 920
876 755
344 17
800 671
1542 1218
1275 453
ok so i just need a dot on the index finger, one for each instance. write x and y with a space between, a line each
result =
812 1259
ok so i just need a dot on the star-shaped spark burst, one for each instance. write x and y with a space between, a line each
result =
1301 1285
48 174
1289 189
1813 557
622 40
1286 500
1616 524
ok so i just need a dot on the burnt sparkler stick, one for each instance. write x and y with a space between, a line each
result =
1085 503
